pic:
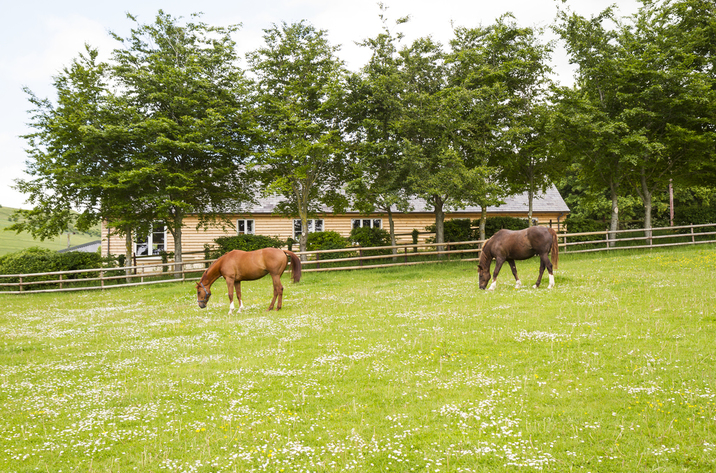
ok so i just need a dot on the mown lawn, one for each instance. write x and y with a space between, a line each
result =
405 369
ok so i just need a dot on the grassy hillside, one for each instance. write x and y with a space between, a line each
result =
393 370
11 242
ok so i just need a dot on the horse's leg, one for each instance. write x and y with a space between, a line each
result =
544 262
518 283
548 265
280 292
277 291
237 286
498 265
230 287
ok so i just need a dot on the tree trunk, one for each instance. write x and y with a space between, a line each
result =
391 226
439 223
614 224
483 221
178 266
530 200
128 253
646 197
530 197
303 238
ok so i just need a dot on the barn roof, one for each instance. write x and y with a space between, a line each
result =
549 201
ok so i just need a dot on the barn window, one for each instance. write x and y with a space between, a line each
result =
314 225
152 244
245 227
367 223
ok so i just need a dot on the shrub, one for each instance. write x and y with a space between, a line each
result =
695 215
583 225
43 260
223 245
325 241
367 237
495 224
458 229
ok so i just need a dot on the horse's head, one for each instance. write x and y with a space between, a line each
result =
203 294
484 275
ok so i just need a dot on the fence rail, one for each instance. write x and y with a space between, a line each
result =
353 258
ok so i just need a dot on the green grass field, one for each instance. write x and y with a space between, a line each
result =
10 242
402 369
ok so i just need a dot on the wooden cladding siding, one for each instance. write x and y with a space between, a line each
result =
282 227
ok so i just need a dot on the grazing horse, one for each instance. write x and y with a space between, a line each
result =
508 245
236 266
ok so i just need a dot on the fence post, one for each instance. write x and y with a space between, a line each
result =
360 255
183 271
606 235
101 279
61 281
565 242
20 283
693 240
405 252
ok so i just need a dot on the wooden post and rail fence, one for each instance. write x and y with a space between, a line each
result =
353 258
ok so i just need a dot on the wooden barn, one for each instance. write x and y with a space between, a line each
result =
548 209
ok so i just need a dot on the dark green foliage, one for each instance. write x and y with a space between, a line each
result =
43 260
495 224
695 215
577 224
369 237
325 241
458 229
241 242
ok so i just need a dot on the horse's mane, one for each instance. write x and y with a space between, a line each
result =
206 272
485 254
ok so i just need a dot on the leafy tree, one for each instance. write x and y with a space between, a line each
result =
642 113
191 119
301 96
379 174
433 120
507 67
587 122
156 135
77 155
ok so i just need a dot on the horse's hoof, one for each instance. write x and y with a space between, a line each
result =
518 284
535 286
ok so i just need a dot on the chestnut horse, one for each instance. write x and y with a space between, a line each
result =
236 266
508 245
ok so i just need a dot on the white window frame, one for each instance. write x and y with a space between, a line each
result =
246 223
149 241
366 222
314 225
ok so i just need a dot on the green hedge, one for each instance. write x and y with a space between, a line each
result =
325 241
367 237
223 245
695 215
43 260
495 224
584 225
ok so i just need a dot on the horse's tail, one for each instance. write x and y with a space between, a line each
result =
295 265
555 248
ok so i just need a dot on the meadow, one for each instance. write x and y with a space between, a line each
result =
11 242
400 369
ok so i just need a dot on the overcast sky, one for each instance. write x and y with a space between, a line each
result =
39 38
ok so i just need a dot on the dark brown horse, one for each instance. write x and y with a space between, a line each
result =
508 245
236 266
